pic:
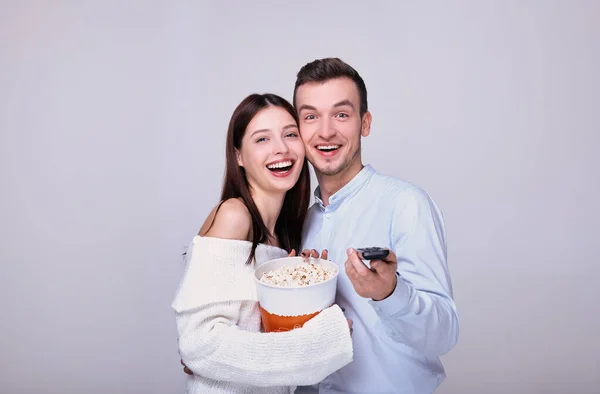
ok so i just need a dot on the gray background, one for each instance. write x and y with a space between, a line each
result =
113 119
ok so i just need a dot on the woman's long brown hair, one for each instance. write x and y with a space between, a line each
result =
288 228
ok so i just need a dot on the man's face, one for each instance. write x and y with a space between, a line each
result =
331 126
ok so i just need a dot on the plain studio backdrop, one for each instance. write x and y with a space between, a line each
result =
113 118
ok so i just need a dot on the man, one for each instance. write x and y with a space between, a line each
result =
402 309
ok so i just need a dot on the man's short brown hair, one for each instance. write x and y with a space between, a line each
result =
323 70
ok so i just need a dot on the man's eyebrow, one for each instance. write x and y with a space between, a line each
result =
344 102
336 105
306 106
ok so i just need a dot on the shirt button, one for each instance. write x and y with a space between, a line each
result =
328 216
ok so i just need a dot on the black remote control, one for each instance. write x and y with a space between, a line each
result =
374 253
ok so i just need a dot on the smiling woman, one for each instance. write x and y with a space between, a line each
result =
272 142
263 205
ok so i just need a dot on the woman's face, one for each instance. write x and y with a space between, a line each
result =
272 152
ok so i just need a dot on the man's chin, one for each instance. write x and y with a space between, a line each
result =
329 170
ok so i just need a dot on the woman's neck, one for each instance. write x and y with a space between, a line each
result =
269 206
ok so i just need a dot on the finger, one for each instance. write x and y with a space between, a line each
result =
381 266
386 266
350 271
314 253
354 277
305 253
292 253
359 266
358 282
390 258
324 254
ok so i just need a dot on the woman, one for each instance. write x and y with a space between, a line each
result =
263 205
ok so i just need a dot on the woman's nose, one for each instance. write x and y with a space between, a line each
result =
281 147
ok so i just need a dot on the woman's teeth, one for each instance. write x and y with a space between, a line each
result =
280 165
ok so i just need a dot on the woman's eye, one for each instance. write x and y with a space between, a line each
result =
261 139
293 135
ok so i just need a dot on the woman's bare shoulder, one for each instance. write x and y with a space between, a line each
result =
230 220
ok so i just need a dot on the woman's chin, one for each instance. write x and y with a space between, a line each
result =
282 188
283 185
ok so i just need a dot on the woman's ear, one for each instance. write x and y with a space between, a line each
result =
239 158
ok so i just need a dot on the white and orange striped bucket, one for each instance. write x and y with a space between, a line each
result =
285 308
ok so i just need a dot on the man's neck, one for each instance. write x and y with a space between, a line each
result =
331 184
269 206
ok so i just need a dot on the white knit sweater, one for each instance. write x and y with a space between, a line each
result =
219 326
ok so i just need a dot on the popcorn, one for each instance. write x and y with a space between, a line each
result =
303 274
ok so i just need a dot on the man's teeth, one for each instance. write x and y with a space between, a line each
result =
283 164
327 147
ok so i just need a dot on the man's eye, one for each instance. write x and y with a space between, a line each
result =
309 117
342 115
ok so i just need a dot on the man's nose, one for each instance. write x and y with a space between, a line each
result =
326 131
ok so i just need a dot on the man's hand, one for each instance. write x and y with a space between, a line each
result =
376 283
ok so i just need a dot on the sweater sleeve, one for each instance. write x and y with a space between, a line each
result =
212 345
217 296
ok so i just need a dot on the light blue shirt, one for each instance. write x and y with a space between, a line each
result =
397 341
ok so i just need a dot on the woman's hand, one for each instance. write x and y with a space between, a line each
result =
186 369
310 253
314 254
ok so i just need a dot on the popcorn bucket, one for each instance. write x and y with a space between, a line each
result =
284 307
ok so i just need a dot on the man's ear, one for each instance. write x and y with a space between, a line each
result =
365 127
239 158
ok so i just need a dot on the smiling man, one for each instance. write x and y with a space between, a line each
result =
402 305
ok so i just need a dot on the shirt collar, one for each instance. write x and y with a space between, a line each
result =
348 190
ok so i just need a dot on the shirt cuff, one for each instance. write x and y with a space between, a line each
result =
397 302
